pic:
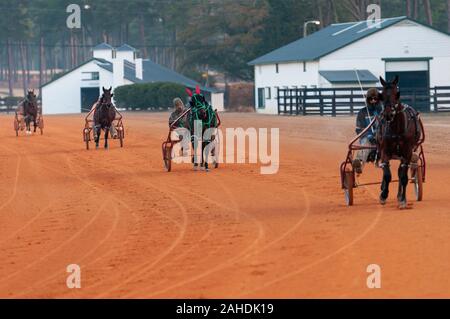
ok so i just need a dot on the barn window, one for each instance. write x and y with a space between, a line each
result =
277 68
90 76
268 93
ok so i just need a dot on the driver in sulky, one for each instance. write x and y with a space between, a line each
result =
179 128
365 116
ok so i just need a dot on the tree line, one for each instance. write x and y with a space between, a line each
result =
190 36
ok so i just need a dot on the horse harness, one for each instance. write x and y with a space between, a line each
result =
409 113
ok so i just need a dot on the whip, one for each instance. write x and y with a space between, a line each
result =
365 98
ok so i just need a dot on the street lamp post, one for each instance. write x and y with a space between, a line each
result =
305 26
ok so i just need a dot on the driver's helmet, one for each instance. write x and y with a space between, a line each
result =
372 93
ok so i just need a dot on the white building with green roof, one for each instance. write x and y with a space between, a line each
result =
77 89
337 55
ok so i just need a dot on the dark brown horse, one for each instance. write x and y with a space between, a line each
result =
397 137
30 110
201 119
104 116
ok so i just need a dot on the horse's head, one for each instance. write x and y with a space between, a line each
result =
106 99
198 104
31 99
391 98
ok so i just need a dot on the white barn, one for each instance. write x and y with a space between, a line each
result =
333 56
76 90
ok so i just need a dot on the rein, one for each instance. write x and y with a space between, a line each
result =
207 109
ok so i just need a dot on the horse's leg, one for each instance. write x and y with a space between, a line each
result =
387 178
402 184
205 156
27 125
194 156
34 124
106 137
98 130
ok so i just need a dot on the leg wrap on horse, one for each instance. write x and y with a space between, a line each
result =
387 173
387 178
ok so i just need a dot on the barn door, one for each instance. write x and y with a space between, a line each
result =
414 82
261 98
88 97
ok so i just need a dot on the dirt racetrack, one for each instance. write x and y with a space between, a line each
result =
140 232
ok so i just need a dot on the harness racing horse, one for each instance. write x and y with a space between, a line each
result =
397 137
201 116
104 115
30 111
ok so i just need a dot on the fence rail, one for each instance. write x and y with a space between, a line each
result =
348 101
9 104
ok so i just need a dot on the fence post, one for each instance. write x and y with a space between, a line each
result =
435 97
352 107
305 96
297 102
333 106
320 102
278 100
290 102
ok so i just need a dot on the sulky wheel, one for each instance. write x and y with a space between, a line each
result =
349 183
41 125
87 137
121 135
16 127
167 157
418 183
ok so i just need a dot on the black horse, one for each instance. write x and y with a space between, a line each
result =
203 116
104 116
30 111
398 135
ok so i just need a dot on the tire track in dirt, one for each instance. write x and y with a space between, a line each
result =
112 200
150 267
232 199
95 187
181 226
289 275
16 181
160 257
222 265
192 247
80 260
54 250
43 211
64 243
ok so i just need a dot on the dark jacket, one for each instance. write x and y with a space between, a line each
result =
176 114
363 119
